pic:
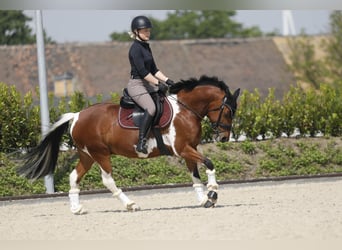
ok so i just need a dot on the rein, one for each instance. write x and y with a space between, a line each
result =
218 123
187 107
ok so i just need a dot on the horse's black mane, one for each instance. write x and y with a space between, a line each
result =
191 83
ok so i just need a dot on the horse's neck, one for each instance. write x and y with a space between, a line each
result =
196 101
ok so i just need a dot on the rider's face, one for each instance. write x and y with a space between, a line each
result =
145 34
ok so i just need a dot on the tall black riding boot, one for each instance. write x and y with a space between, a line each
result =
145 126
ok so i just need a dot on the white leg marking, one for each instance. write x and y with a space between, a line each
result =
199 190
122 197
73 179
109 182
129 204
74 197
75 206
212 184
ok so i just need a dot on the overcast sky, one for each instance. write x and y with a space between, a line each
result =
96 25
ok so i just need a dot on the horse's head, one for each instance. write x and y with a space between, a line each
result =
214 96
221 114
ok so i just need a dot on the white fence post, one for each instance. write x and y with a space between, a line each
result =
44 107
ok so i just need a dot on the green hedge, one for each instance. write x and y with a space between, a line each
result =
19 120
20 115
309 112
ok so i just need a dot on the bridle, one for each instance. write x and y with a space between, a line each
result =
218 124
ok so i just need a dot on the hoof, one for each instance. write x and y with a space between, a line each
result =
211 201
209 204
78 210
132 207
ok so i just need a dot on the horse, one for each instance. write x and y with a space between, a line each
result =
97 134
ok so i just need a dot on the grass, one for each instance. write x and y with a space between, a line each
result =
232 161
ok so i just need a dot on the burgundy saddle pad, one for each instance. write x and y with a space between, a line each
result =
126 116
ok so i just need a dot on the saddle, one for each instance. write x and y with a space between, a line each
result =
130 115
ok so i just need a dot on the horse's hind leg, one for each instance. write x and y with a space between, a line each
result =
75 177
108 181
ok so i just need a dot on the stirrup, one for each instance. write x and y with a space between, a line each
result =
141 146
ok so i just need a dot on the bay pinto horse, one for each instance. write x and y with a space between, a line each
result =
97 135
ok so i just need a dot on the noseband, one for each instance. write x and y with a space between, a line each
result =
218 124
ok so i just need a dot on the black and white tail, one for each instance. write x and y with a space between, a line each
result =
41 160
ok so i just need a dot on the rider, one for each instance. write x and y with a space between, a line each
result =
145 76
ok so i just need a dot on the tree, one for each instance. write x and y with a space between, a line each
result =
313 69
189 24
334 49
115 36
14 29
305 65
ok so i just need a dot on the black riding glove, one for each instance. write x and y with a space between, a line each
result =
162 88
169 82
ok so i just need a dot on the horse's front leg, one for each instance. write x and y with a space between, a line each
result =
211 185
210 199
192 158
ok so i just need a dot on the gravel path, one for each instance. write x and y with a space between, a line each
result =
301 209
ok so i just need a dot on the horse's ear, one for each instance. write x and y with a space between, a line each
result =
236 93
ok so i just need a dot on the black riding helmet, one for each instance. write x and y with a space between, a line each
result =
140 22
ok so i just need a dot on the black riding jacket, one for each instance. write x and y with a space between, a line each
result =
141 60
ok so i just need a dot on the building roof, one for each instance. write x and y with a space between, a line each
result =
101 68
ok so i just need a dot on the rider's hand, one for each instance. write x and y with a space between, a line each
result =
169 82
162 88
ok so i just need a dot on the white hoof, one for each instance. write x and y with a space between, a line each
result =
132 207
79 210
